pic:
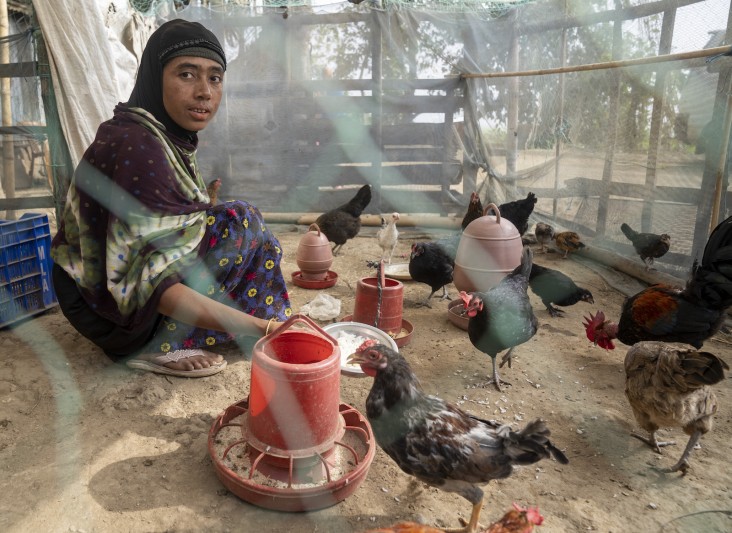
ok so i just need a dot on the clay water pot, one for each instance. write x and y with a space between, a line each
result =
295 392
314 255
366 309
490 247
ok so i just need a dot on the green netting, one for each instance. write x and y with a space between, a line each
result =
492 8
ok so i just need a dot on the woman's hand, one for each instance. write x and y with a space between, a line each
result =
182 303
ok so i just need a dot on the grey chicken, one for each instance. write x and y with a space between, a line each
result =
502 318
668 385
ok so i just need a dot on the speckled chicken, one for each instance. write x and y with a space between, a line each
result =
648 246
544 234
437 442
668 385
387 237
568 241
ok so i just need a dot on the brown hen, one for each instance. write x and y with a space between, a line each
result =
568 241
668 385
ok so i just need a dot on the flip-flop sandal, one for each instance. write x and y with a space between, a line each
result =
155 364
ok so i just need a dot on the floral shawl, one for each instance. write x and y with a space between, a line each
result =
134 216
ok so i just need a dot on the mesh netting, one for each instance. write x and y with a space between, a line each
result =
323 97
494 7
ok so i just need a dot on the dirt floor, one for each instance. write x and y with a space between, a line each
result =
89 446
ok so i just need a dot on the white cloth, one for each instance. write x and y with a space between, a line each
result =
90 68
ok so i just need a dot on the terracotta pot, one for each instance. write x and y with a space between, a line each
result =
388 316
314 255
490 247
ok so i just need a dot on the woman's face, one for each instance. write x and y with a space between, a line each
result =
192 89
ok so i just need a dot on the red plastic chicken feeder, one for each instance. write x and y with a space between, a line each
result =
292 446
379 302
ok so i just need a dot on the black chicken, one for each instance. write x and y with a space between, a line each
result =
431 264
553 286
502 317
519 211
437 442
648 246
344 222
690 315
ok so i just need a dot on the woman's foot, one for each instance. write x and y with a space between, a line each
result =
194 363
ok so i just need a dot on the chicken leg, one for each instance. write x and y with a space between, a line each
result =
683 463
507 358
426 303
653 442
497 380
472 526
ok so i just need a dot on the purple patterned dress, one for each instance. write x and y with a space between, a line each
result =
241 268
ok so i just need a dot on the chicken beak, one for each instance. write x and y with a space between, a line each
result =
354 359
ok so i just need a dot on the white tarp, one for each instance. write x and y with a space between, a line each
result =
91 69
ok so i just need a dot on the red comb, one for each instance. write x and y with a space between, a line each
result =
465 297
367 344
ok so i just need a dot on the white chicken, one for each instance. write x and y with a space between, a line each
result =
387 237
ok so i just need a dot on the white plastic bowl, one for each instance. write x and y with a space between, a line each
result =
358 329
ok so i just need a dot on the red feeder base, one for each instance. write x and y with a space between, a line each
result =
290 483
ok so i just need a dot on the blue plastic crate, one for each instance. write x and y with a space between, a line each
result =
25 268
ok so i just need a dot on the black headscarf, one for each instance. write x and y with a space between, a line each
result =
174 38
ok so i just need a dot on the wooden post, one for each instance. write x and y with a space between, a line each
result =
659 99
513 99
8 167
612 126
560 118
61 166
377 53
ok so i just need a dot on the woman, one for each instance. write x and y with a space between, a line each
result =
145 266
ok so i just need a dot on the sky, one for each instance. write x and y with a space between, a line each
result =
695 21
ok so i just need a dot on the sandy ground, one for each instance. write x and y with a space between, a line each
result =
86 445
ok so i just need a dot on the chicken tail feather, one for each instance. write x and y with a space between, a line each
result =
711 281
531 444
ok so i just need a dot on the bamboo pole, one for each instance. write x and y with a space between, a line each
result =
8 177
659 99
560 118
612 130
423 221
620 63
513 102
